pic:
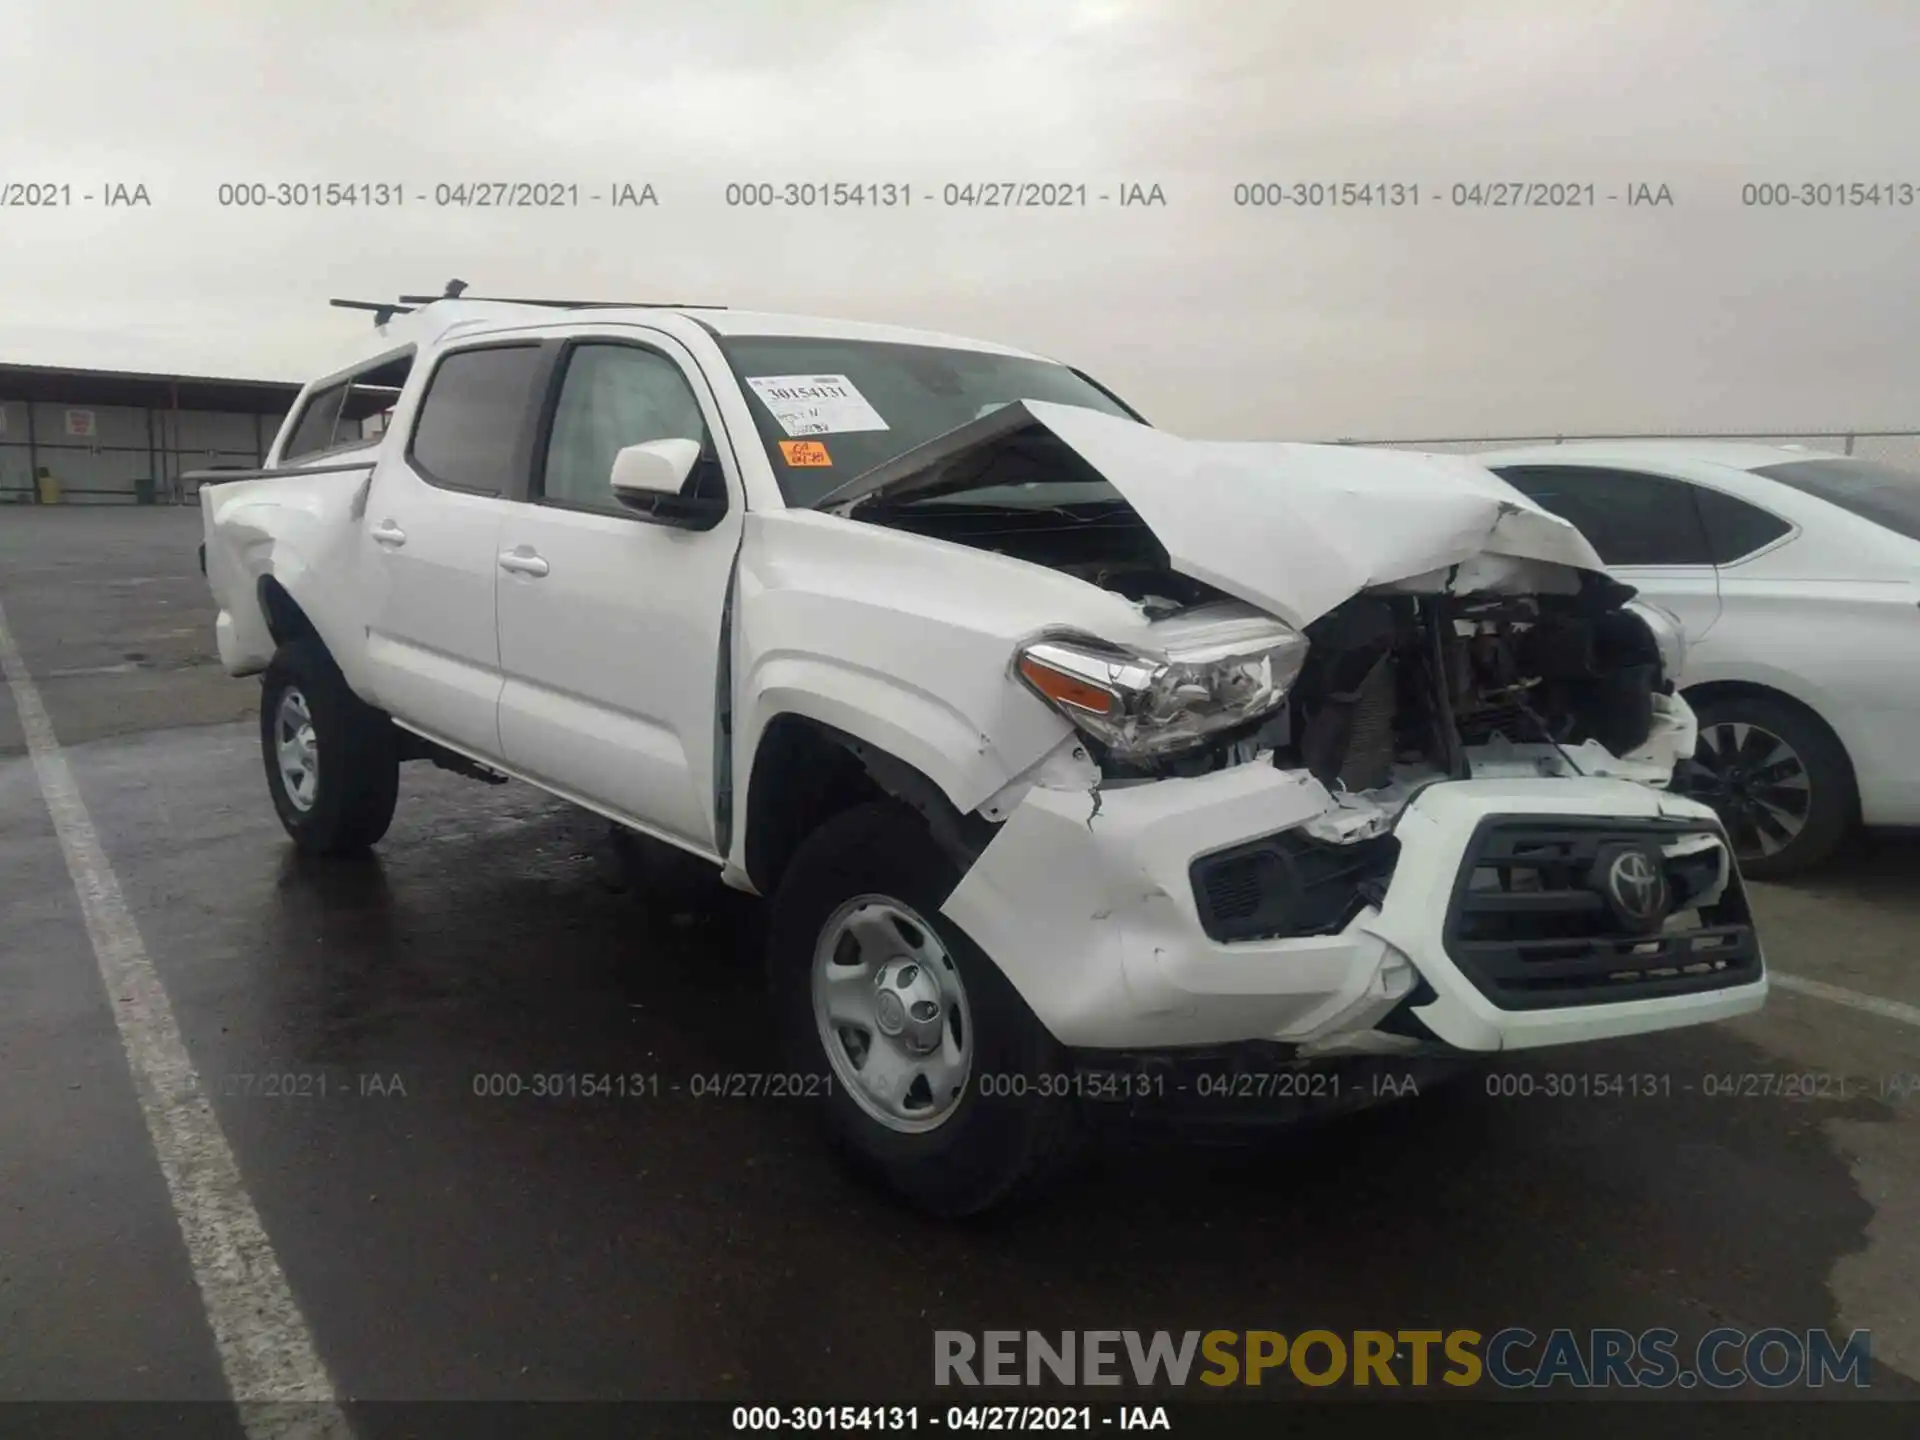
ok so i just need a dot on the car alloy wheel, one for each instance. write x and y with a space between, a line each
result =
295 749
892 1014
1755 781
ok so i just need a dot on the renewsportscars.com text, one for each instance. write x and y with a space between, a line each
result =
1514 1358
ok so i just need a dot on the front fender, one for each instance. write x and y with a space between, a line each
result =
903 642
932 733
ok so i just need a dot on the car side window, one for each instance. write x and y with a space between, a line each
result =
472 418
314 431
1734 528
1629 518
613 396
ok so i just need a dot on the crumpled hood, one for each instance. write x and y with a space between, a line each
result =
1293 529
1297 529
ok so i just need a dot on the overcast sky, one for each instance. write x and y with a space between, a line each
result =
1214 319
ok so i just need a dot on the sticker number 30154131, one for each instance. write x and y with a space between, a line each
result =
816 404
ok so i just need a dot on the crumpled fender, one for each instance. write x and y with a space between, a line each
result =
903 642
302 530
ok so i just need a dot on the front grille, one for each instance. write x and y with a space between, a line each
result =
1289 884
1530 926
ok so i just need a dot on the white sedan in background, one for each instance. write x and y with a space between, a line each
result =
1797 576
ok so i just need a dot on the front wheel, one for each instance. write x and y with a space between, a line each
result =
938 1075
333 768
1778 778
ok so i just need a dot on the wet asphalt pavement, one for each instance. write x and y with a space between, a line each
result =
449 1244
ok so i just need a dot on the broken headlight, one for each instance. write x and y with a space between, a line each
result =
1208 669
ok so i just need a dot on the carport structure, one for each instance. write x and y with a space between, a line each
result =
75 436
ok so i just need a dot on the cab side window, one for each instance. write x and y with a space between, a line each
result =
613 396
352 412
314 432
477 405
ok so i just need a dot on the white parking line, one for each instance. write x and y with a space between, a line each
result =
272 1367
1853 999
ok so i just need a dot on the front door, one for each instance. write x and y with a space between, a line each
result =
610 624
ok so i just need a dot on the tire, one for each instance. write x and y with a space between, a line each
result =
1783 817
969 1147
340 801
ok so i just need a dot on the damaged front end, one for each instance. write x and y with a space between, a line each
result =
1386 693
1403 689
1354 705
1377 621
1293 876
1350 692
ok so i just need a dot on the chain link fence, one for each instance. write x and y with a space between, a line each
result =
1896 447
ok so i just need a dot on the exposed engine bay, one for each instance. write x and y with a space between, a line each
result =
1400 683
1425 684
1396 680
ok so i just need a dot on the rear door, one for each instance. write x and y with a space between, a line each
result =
431 536
1648 529
611 623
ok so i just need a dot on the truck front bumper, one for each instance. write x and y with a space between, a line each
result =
1092 905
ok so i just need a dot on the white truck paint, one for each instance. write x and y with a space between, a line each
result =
659 668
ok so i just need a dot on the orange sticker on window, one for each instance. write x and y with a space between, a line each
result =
805 452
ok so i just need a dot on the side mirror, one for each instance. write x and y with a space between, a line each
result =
650 480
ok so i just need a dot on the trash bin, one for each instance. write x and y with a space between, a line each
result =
143 490
47 487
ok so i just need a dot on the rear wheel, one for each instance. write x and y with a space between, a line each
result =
1779 779
940 1081
332 765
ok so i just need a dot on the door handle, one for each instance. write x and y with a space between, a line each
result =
388 533
523 562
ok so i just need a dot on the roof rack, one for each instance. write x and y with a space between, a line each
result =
385 310
568 304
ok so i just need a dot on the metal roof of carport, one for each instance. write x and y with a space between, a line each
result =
58 384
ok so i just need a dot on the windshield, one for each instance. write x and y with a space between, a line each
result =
828 410
1871 489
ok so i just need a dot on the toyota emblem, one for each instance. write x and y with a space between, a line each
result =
1636 888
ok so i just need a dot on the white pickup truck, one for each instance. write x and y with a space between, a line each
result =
1079 761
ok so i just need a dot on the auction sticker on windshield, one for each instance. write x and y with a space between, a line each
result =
816 404
805 453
